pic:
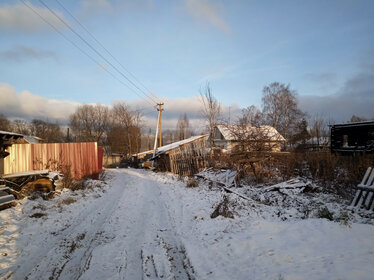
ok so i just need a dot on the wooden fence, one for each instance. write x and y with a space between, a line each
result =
80 158
188 159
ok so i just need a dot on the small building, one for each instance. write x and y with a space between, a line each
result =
352 137
239 138
29 139
185 157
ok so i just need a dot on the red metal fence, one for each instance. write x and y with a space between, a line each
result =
80 158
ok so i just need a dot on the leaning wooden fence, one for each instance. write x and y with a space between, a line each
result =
81 159
188 159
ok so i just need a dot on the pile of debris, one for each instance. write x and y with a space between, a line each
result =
19 185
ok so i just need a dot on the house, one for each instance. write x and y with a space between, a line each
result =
28 139
352 137
238 138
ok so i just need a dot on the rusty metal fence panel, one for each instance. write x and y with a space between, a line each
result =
81 159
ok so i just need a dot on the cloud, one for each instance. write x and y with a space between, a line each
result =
205 10
324 81
29 106
21 53
19 17
355 97
26 105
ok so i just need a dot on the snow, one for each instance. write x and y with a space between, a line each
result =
26 173
145 225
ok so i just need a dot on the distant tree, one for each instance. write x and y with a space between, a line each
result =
301 134
355 118
183 127
251 116
211 111
318 128
21 127
280 109
91 123
5 124
49 132
124 135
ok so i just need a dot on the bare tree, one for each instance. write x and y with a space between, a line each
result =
211 111
183 127
318 129
5 124
49 132
125 133
21 127
91 122
279 106
355 118
251 116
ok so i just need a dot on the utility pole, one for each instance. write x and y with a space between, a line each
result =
158 127
160 110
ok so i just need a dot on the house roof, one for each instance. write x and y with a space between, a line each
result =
10 134
32 139
234 132
174 145
353 124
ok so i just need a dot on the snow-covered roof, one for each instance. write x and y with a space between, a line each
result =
171 146
179 143
234 132
32 139
10 133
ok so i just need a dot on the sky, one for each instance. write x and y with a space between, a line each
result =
169 50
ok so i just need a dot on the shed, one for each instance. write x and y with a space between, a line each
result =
352 137
185 157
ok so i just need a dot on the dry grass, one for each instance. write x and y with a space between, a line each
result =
336 173
222 209
192 183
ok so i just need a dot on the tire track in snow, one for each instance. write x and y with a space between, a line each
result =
125 234
60 259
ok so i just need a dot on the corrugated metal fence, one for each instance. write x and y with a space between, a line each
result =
80 158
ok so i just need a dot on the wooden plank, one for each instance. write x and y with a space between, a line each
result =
356 198
368 200
367 173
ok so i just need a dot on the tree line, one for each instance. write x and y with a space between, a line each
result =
116 129
119 128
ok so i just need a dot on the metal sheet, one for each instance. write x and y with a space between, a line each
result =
80 158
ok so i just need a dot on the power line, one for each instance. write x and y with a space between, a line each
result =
106 50
79 48
94 49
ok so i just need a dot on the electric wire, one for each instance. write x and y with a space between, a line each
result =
79 48
106 50
94 49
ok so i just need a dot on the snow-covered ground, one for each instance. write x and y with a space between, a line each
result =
144 225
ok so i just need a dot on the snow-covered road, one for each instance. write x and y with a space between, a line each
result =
125 234
145 225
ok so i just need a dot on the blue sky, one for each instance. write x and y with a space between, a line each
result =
323 49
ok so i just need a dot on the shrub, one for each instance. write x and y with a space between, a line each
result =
192 183
222 209
324 213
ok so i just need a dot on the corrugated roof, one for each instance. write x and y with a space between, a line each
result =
174 145
234 132
179 143
10 133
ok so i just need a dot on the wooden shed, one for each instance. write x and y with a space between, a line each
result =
352 137
184 158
